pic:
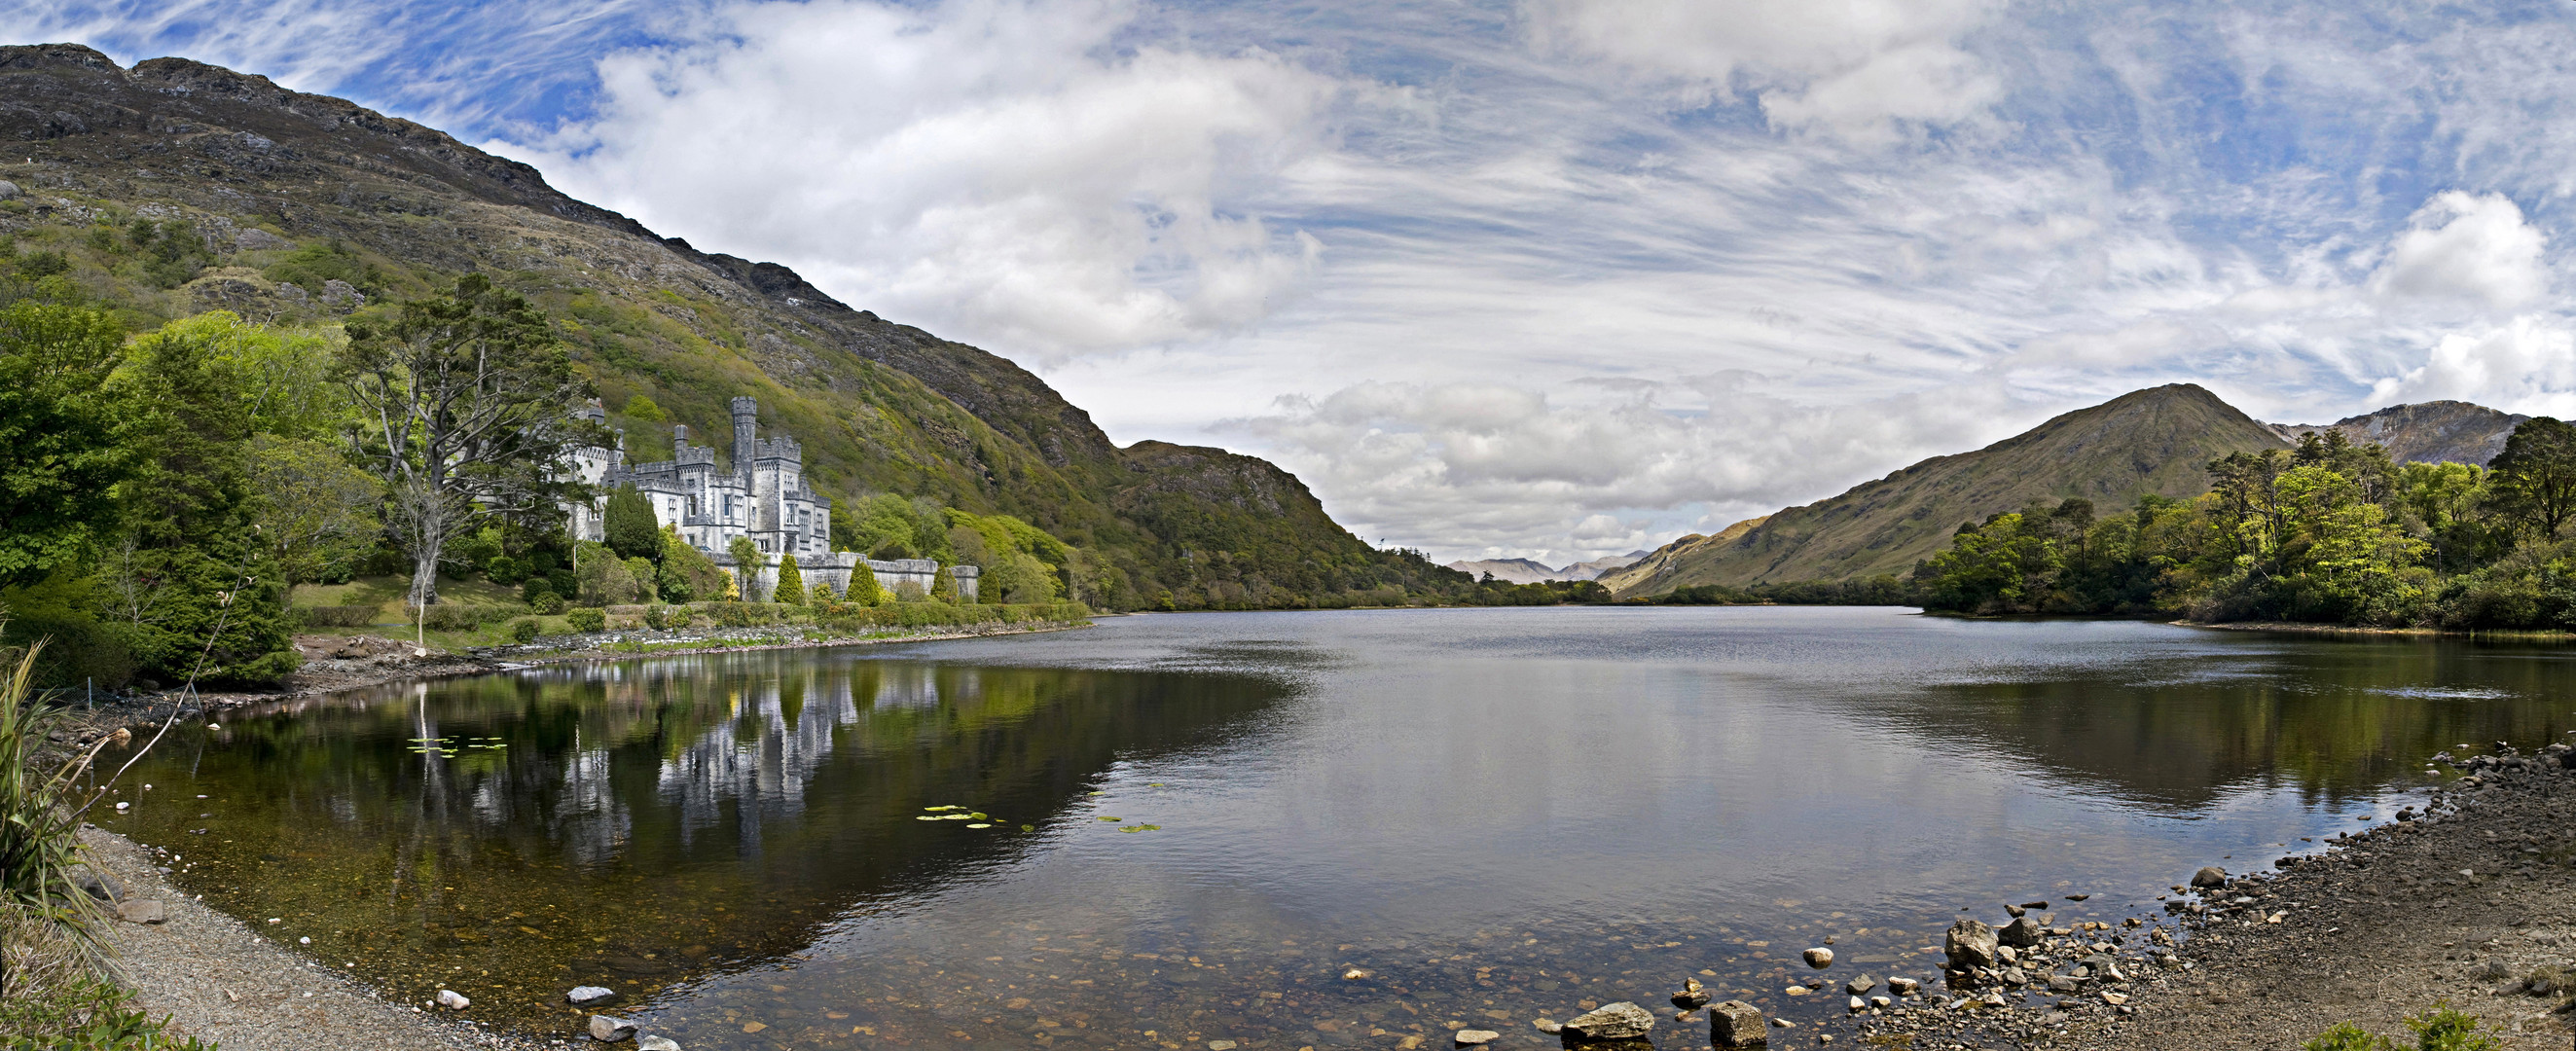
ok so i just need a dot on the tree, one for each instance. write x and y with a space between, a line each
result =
747 564
463 406
943 586
791 584
315 511
59 475
864 588
2533 481
629 523
687 574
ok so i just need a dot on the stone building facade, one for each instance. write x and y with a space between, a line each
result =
760 494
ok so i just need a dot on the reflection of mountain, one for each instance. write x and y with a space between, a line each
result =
2318 719
646 818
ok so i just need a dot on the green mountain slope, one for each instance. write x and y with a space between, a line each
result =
297 197
2153 441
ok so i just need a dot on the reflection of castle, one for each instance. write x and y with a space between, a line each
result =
763 497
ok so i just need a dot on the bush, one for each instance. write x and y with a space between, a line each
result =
505 571
2446 1029
548 604
337 616
587 619
467 618
85 1014
523 630
2346 1036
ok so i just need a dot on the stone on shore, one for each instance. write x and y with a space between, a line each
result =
1619 1021
453 1000
2024 932
1819 957
142 910
656 1043
1970 945
1860 986
1737 1024
609 1030
1903 986
2211 876
1475 1037
586 995
1549 1026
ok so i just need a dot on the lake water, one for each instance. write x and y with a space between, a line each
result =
1193 825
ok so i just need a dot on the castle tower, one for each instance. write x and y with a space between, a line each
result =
746 428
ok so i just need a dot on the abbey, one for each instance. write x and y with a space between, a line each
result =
761 495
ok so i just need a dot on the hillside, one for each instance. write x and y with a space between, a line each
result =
1525 571
2425 432
2149 441
304 207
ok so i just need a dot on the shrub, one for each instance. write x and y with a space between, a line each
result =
586 619
2447 1029
2346 1036
505 571
548 604
39 834
337 616
523 630
466 618
85 1013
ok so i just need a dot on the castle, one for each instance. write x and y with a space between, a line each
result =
761 495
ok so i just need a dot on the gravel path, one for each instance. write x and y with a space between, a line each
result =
219 980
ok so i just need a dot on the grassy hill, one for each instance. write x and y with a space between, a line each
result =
2153 441
177 187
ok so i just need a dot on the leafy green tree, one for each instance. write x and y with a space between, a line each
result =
285 375
630 526
606 580
464 406
2533 481
943 586
790 588
687 574
639 407
63 463
747 564
315 512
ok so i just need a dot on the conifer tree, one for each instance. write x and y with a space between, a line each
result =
628 523
864 589
791 583
943 587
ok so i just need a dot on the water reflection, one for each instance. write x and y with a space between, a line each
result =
1496 814
505 834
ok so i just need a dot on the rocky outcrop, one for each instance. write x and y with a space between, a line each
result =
2423 432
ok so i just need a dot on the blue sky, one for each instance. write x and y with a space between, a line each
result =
1557 278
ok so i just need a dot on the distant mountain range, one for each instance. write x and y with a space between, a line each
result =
2149 441
1524 571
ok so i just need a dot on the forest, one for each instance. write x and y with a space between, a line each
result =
2329 532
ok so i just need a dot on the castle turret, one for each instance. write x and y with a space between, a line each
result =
746 429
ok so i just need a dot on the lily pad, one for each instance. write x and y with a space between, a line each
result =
980 824
1105 817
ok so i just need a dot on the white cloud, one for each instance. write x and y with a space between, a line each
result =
2526 365
1854 67
2472 249
999 168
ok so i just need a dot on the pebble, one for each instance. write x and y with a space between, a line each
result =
1904 986
142 910
2210 876
1549 1026
1354 974
453 1000
586 995
1819 957
656 1043
1472 1037
1220 1045
609 1030
1860 986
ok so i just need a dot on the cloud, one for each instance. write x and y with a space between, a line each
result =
2472 249
2525 365
1856 68
1001 168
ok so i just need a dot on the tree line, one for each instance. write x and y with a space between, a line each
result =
2327 532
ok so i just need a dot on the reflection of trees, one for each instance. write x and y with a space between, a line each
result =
634 798
2322 718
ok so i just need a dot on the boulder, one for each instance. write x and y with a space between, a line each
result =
2211 876
2024 932
1619 1021
586 995
1970 945
1737 1024
8 190
608 1029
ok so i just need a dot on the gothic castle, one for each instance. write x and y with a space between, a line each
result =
761 495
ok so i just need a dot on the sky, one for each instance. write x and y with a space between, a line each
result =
1555 278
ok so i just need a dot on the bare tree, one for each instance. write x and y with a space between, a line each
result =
464 407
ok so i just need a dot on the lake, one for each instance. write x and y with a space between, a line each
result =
1174 829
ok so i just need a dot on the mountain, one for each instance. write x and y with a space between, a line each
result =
1524 571
2424 432
2149 441
299 207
